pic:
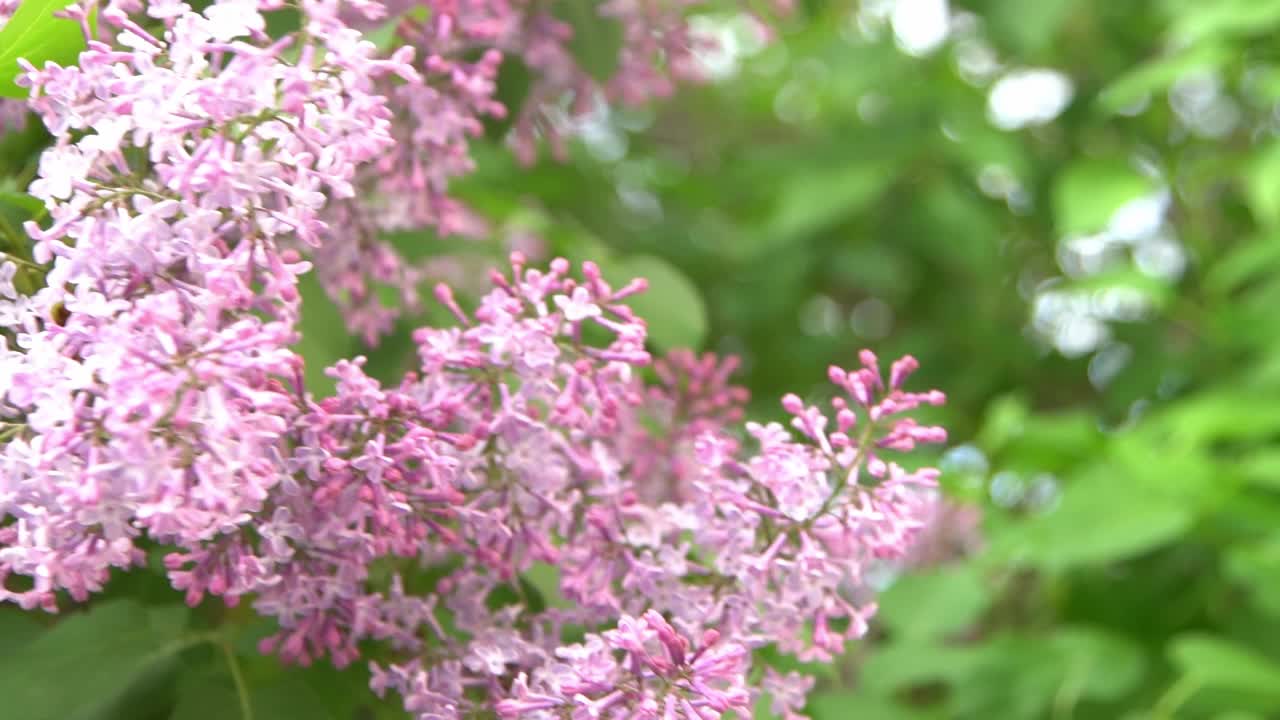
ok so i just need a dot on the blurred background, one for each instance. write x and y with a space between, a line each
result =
1069 211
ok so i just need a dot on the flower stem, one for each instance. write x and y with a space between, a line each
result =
242 690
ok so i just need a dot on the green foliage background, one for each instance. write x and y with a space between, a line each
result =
836 193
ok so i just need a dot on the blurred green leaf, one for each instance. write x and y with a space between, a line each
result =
205 694
1262 184
15 210
513 83
1029 27
1261 467
545 579
1157 75
323 339
672 306
104 651
841 705
18 628
1005 419
20 207
1154 292
596 39
1021 676
815 200
1099 664
33 33
1257 567
1089 191
932 604
290 698
1252 259
1214 662
903 664
1232 414
1101 517
1195 21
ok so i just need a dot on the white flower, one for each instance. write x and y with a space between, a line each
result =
577 307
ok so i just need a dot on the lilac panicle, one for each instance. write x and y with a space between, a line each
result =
150 394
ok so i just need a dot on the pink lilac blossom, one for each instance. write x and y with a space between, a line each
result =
439 113
954 531
13 114
156 405
150 395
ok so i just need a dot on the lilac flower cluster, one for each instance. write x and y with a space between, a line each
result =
438 113
540 521
677 568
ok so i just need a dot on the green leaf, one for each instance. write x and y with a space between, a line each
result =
1257 258
18 628
1155 291
1029 27
512 87
20 207
1013 677
672 306
1005 420
1257 567
812 201
846 704
596 41
784 663
1099 665
545 578
282 22
345 693
16 209
324 338
384 37
1262 184
212 698
1157 75
35 34
1197 21
899 665
1261 467
1020 675
20 151
1089 191
1043 442
276 692
1102 517
934 604
104 652
1213 662
290 697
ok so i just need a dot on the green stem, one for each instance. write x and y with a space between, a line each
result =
1064 701
242 690
1174 697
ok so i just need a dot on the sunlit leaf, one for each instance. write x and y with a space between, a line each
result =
1087 194
1219 663
35 34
